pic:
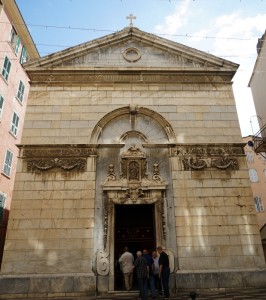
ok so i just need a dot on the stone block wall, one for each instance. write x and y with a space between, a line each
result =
216 222
51 222
198 113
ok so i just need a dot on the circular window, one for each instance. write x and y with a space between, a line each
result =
131 54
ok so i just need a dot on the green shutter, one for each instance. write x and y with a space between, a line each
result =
17 45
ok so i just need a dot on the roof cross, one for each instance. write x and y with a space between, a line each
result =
131 17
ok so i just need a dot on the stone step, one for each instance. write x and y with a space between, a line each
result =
240 294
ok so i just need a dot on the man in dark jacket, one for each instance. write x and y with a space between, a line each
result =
142 273
164 271
151 275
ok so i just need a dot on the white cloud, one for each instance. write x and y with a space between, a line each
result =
234 37
176 20
236 40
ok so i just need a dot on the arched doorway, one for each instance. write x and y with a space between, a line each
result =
133 172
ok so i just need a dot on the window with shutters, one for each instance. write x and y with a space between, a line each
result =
1 106
258 204
6 68
21 89
8 163
250 157
253 175
14 124
14 40
2 206
24 55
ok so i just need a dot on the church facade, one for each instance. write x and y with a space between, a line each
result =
130 140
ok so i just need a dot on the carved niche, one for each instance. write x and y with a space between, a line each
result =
134 186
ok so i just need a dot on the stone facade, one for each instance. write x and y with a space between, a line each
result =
132 120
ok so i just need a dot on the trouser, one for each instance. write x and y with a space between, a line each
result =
128 277
165 274
152 286
157 283
142 282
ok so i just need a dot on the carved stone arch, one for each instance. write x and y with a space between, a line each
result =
132 112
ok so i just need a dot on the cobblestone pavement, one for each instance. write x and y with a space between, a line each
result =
243 294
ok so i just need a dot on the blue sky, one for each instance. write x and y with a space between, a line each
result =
226 28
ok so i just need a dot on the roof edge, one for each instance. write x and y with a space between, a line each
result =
18 22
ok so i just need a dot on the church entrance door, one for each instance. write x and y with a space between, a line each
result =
134 228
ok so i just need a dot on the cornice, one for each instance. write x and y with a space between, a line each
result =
123 75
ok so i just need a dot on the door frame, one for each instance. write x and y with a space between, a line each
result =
159 223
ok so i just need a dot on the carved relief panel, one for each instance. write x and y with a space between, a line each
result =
134 185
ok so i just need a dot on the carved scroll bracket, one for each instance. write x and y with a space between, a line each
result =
102 262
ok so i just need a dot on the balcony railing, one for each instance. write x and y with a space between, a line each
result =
259 140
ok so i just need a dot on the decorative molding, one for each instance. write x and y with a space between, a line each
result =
208 149
65 157
102 262
163 220
199 157
55 151
60 76
66 164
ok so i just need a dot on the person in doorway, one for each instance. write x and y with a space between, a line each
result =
142 272
126 261
164 271
157 280
151 276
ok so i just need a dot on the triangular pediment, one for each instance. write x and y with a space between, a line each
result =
130 49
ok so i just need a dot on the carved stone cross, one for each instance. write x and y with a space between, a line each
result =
131 17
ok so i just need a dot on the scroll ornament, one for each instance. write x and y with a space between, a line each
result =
201 157
196 163
66 164
102 262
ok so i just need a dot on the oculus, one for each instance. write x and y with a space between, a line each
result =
131 54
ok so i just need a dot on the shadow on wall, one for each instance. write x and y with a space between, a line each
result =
3 227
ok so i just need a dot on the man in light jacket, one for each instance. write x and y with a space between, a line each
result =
126 261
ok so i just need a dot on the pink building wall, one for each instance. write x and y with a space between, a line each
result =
8 90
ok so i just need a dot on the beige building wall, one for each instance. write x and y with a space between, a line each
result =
198 113
73 128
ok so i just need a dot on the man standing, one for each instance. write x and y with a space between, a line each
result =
142 269
164 271
151 269
126 261
157 280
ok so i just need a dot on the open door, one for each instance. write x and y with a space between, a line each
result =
134 228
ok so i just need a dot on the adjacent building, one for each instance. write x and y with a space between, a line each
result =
257 142
257 174
257 85
16 48
130 140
